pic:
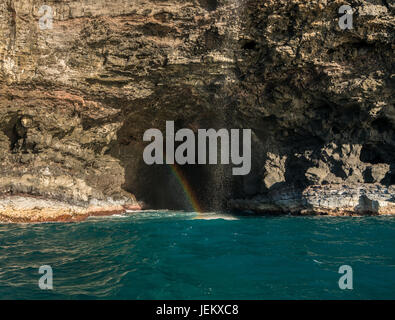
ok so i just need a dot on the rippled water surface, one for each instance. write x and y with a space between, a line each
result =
173 255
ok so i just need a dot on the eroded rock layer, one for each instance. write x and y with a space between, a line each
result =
76 99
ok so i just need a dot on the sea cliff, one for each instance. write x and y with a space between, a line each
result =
76 99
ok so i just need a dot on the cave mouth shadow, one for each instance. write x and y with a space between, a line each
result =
189 187
172 187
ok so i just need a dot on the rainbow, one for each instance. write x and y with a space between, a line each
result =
190 194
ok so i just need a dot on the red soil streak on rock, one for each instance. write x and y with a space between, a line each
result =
52 213
132 207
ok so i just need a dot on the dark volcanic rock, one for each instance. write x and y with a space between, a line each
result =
76 99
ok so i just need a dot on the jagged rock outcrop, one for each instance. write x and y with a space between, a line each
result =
76 99
326 100
337 199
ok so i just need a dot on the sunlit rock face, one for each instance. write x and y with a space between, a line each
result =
76 99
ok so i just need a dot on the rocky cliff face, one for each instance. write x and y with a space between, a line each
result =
75 100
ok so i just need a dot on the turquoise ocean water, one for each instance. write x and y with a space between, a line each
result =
171 255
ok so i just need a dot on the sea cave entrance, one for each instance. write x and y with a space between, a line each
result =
173 187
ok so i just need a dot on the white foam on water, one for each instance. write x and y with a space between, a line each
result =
214 216
147 211
180 214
